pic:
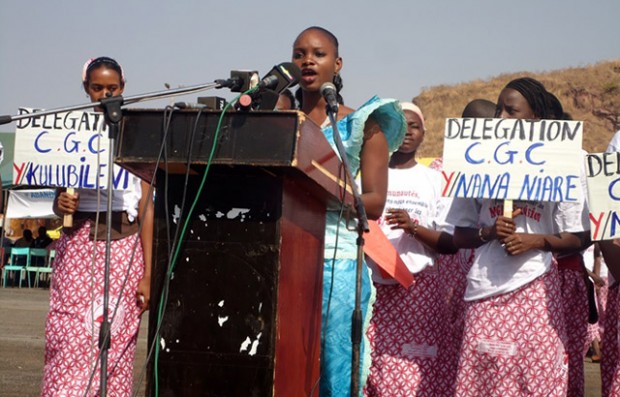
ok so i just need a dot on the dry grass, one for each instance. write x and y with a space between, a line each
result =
590 94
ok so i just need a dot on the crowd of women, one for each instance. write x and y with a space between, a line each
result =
499 306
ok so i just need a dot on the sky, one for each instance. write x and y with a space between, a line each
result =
391 48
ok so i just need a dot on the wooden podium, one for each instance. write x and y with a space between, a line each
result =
243 312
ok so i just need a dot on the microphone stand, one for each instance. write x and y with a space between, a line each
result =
113 115
5 119
362 227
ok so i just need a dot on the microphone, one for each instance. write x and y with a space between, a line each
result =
268 82
189 105
279 78
329 92
239 81
5 119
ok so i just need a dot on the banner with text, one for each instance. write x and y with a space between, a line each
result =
528 160
603 177
64 150
37 203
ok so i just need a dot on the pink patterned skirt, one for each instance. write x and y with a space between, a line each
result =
514 344
410 348
601 304
610 348
575 302
73 322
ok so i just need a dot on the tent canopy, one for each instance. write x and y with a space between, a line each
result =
31 204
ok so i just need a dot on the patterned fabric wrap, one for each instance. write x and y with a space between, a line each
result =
74 319
610 348
513 344
453 270
453 275
412 354
601 304
575 304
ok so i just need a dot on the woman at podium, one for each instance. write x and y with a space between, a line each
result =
76 293
369 135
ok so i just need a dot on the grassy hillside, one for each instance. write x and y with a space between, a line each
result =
590 94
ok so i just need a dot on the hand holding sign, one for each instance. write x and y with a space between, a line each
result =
68 203
514 243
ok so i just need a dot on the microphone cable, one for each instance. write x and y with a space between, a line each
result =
177 247
174 241
167 118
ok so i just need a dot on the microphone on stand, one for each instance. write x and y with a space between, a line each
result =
279 78
189 105
329 92
239 81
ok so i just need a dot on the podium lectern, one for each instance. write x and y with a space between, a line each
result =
243 313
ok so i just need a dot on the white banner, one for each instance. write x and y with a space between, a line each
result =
64 150
513 159
603 177
30 204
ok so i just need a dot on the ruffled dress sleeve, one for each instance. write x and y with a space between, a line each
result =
386 112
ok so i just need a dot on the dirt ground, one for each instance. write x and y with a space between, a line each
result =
22 340
22 322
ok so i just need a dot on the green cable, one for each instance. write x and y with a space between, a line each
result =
183 231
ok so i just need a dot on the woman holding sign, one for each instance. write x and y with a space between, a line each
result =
514 337
76 295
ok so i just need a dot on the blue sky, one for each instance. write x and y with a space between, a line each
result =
390 48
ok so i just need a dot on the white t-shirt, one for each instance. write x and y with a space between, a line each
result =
614 144
418 191
494 272
588 259
123 200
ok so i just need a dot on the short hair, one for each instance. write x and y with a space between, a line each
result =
337 78
479 108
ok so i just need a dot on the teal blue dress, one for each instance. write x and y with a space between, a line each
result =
336 334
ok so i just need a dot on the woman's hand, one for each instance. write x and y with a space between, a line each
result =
597 280
519 243
400 219
143 294
503 228
67 203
